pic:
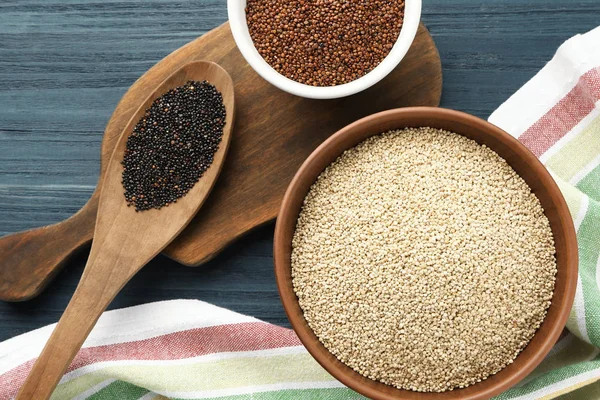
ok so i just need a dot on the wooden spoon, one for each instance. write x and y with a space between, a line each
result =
125 240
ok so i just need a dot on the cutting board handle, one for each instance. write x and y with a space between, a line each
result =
29 260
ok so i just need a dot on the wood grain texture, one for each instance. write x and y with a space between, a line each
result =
255 176
65 64
125 239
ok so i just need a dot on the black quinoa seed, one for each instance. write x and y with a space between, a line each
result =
172 145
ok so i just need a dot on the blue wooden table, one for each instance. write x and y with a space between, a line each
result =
65 64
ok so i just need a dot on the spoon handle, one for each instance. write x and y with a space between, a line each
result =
102 279
30 260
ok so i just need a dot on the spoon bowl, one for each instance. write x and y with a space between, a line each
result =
126 240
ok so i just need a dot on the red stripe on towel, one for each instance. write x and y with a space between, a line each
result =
563 117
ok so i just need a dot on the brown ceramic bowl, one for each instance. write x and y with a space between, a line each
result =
522 161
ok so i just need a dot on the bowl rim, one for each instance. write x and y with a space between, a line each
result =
239 29
287 215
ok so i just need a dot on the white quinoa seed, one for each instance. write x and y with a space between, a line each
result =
422 260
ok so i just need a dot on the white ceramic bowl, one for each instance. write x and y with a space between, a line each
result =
237 21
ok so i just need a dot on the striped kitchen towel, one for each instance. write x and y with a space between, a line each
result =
557 116
179 349
186 349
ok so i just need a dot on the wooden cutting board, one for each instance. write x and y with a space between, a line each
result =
274 132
